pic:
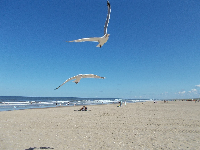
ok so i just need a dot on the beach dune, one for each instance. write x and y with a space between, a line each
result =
147 125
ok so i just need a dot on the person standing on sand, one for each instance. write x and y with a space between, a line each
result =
120 103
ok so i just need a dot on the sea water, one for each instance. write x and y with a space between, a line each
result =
8 103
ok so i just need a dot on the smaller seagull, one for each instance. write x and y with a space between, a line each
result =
101 40
79 77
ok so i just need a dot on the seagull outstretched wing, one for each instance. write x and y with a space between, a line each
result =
107 19
93 39
101 40
79 77
91 76
72 78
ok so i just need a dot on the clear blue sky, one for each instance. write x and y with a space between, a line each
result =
153 50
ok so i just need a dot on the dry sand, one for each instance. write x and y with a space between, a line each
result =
172 125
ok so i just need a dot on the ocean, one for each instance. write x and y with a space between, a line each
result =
9 103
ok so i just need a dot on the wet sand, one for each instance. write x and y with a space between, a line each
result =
172 125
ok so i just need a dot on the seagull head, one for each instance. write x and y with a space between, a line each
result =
107 35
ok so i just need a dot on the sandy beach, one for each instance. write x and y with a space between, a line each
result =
172 125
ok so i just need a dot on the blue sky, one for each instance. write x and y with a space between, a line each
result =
153 50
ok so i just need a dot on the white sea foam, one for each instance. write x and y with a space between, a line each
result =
46 103
105 101
12 104
27 102
60 101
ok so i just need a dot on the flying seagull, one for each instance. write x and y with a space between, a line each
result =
79 77
101 40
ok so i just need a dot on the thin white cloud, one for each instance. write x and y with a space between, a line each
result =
183 92
194 90
197 85
165 93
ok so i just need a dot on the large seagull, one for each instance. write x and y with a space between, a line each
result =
101 40
79 77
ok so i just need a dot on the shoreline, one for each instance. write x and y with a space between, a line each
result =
18 104
57 106
144 125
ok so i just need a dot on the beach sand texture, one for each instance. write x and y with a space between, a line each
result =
172 125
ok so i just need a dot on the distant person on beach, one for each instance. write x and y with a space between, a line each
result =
84 108
120 103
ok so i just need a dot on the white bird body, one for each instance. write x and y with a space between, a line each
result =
77 78
101 40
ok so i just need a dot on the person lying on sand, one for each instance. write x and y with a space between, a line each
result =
84 108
